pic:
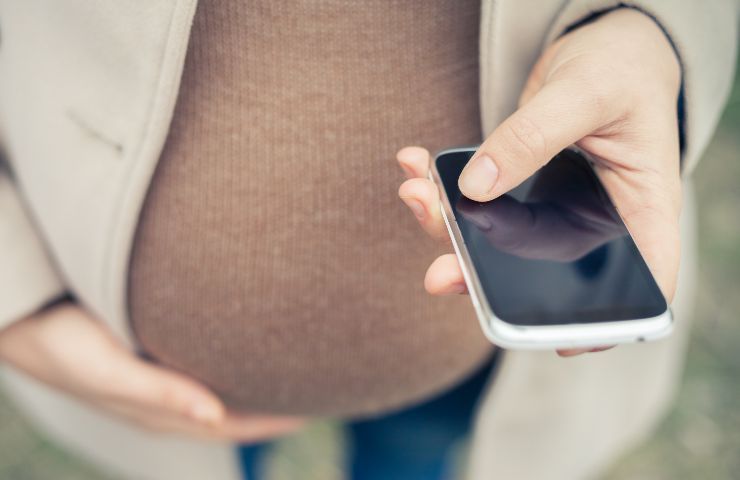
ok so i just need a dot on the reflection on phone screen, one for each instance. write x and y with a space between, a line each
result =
553 250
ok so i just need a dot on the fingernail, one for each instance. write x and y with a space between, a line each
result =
415 207
205 413
479 177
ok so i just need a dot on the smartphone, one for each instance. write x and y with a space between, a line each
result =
551 264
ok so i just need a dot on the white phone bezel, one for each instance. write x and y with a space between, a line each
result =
512 336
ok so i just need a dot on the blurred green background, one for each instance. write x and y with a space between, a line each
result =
700 439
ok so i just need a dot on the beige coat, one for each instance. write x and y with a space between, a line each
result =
87 91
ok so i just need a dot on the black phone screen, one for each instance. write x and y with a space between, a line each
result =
554 249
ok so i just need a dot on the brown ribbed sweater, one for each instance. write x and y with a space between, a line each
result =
274 260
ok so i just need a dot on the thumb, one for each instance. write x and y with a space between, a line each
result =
557 116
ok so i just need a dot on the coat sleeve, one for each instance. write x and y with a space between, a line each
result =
28 278
704 36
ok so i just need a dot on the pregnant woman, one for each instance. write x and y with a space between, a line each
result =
205 239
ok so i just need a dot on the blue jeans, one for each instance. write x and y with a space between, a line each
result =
412 444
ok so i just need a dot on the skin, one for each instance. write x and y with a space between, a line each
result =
558 221
612 93
67 349
610 87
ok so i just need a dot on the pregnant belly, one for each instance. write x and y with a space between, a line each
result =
308 309
273 260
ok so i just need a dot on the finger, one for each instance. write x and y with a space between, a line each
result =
254 428
414 161
537 230
158 421
557 116
151 387
421 195
100 370
444 276
601 349
233 427
572 352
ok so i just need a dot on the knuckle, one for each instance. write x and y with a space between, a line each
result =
526 139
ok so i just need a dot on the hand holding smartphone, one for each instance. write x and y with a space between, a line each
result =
551 264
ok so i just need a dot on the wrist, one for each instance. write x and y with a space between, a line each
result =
10 334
